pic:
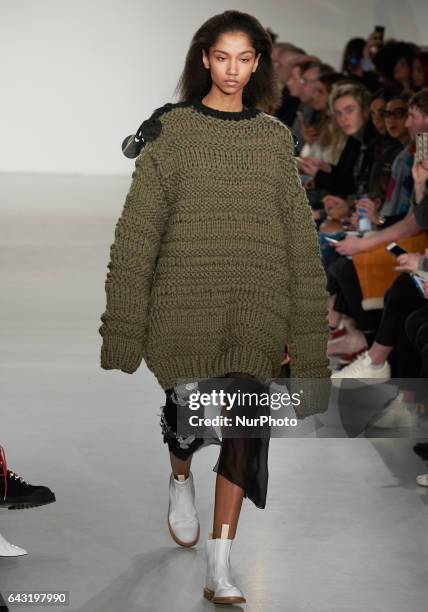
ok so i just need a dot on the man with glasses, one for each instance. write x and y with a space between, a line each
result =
307 116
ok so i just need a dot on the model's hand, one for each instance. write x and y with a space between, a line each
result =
350 245
407 262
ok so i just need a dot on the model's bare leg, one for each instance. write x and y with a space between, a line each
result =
228 502
179 466
228 495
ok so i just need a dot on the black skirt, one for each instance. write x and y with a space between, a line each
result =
242 460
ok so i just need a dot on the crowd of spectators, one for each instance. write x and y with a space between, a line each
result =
358 130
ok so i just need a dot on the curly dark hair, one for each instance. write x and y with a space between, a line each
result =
390 54
195 81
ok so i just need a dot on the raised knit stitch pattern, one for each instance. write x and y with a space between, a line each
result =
215 263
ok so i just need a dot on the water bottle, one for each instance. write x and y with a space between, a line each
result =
364 223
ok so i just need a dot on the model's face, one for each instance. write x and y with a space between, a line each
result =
376 115
294 85
395 119
349 115
309 80
416 122
231 61
320 99
418 75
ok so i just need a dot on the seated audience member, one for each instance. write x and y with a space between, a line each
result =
383 103
284 55
417 322
392 166
394 62
349 105
392 346
371 175
420 71
401 345
296 86
417 121
357 64
343 285
323 138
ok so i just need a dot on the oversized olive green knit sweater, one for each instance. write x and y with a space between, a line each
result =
215 264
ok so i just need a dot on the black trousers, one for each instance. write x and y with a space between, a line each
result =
342 281
401 299
243 461
417 331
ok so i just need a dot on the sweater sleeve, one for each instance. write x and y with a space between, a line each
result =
132 262
308 328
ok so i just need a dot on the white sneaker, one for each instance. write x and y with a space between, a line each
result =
10 550
346 341
219 587
183 522
422 480
362 372
396 414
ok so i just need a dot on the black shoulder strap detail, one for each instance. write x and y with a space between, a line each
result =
167 107
149 130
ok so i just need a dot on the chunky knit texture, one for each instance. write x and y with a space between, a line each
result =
215 263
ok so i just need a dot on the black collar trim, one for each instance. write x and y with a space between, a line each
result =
246 113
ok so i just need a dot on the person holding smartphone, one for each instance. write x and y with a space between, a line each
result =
405 308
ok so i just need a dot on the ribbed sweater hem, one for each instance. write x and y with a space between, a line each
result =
237 359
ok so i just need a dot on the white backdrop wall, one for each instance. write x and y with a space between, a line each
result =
77 75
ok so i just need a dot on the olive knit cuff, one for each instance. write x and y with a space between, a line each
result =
118 353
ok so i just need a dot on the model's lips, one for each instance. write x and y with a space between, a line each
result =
231 82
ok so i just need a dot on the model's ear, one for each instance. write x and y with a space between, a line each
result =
205 60
256 62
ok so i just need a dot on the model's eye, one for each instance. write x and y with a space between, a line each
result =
245 59
220 58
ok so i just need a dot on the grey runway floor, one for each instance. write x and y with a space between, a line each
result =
345 527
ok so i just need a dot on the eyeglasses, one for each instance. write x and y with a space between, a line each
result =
397 113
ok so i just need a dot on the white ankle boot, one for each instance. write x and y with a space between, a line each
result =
10 550
183 519
219 587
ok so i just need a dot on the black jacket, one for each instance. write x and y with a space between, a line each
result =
352 171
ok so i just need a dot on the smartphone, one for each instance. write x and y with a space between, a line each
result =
396 250
334 240
380 31
421 146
